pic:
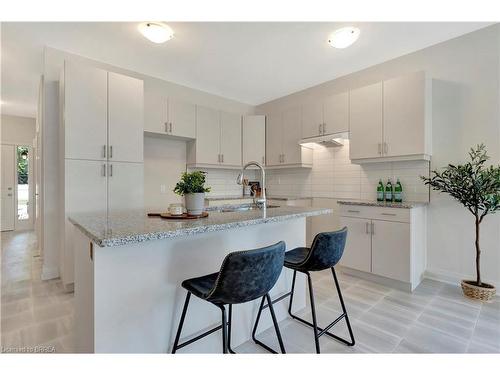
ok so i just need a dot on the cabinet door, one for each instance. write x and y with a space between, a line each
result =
85 112
292 134
404 115
125 186
312 119
254 139
85 186
8 188
155 112
207 135
336 113
230 143
274 138
365 116
391 250
182 118
125 118
357 252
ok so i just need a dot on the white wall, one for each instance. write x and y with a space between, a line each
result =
17 130
465 112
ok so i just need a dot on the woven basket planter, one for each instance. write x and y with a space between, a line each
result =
481 293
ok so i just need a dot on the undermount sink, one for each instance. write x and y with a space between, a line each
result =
243 208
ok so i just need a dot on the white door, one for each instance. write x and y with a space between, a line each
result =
125 118
336 113
230 143
274 139
181 118
207 135
8 185
292 133
357 252
85 112
125 186
254 139
24 202
312 119
365 117
404 115
391 250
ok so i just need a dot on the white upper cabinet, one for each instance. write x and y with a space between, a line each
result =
327 116
254 139
365 112
85 111
230 140
170 116
125 118
391 120
181 118
218 140
336 113
274 138
121 177
283 132
406 116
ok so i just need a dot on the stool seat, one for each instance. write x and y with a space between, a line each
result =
294 258
201 286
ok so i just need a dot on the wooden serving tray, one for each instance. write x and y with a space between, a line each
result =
184 216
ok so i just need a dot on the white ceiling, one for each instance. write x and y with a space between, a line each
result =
249 62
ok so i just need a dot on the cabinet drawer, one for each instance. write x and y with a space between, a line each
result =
378 213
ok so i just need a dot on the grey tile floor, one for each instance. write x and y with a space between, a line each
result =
435 318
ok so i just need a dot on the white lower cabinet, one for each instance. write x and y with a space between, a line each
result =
387 242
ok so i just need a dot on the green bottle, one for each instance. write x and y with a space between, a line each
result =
398 192
380 191
388 191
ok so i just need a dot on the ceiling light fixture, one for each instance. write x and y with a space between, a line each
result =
156 32
344 37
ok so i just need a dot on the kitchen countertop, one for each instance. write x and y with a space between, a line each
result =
382 204
135 226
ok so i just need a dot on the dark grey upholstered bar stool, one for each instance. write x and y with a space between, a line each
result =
244 276
325 252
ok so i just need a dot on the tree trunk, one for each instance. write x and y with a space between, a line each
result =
478 254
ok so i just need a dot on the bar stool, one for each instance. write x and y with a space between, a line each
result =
244 276
325 252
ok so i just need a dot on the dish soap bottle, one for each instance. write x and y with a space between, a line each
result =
388 191
380 191
398 192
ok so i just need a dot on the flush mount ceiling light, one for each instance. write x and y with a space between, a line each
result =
344 37
156 32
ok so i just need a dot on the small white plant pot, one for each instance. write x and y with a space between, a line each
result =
195 203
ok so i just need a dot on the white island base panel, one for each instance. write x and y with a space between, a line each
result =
128 299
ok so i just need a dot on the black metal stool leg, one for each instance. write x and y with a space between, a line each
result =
313 313
291 293
337 285
181 323
229 325
224 329
275 322
254 331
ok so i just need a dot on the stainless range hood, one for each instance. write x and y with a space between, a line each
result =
331 140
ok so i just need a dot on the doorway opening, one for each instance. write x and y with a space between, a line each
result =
24 191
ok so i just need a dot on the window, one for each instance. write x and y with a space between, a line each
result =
23 193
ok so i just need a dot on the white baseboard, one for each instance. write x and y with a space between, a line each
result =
452 277
49 273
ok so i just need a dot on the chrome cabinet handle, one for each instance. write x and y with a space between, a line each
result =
9 188
110 170
324 128
367 230
170 127
380 148
9 195
387 214
283 158
386 148
166 127
104 151
373 227
263 160
222 158
319 128
110 152
103 170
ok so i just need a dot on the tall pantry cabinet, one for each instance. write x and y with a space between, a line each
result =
102 124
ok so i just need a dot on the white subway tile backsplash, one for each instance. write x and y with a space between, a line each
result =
334 176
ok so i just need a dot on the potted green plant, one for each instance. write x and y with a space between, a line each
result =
477 187
192 187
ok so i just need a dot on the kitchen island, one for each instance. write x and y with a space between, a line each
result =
129 267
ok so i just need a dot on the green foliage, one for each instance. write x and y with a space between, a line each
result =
22 166
473 184
190 183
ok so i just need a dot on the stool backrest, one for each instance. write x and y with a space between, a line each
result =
247 275
326 250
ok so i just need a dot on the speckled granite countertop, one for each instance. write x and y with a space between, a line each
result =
382 204
135 226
